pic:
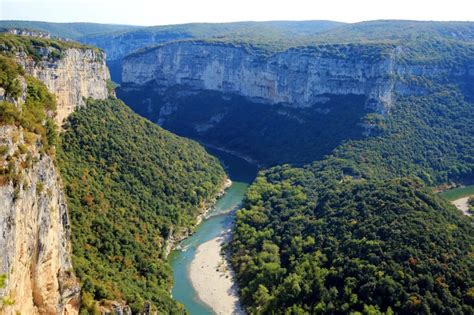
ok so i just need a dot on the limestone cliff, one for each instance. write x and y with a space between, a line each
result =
76 75
299 103
34 225
34 222
297 77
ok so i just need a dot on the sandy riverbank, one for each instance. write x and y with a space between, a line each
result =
174 240
462 204
212 278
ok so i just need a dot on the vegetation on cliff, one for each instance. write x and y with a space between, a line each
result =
36 111
130 185
37 48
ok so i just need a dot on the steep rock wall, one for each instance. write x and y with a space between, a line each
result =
78 74
278 107
34 222
297 77
34 238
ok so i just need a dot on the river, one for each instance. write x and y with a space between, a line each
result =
220 218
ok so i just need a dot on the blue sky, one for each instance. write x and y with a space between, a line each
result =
159 12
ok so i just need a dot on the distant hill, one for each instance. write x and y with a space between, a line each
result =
396 30
288 33
68 30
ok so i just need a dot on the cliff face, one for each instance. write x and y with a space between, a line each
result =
77 74
34 222
296 77
299 103
34 229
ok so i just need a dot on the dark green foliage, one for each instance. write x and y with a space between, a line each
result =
346 234
9 76
429 137
129 185
391 246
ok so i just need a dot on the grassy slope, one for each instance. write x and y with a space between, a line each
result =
457 193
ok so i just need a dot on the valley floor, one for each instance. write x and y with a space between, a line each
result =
212 278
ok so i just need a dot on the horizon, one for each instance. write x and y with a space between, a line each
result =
240 21
142 13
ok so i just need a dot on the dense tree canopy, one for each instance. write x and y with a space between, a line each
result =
360 231
130 185
386 246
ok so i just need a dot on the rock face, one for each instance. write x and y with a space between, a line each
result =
77 75
297 77
253 101
34 222
34 238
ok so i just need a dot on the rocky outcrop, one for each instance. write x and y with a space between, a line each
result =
34 225
78 74
27 32
298 77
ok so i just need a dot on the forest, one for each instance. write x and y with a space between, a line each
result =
361 231
130 186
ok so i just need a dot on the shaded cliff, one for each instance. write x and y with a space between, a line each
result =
297 77
243 97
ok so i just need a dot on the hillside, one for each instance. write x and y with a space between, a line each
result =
68 30
130 187
112 186
355 231
360 230
375 247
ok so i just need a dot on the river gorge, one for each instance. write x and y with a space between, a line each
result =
216 225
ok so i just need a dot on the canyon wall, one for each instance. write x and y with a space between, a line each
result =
298 104
34 222
297 77
77 75
34 226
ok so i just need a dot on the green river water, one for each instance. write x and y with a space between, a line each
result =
219 219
